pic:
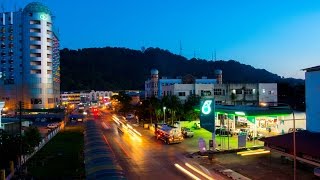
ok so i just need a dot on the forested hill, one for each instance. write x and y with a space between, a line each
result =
120 68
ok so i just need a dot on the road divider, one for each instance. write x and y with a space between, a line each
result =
253 152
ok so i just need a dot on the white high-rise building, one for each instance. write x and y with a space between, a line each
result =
313 98
29 58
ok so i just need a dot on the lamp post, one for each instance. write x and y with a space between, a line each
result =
164 114
294 142
294 138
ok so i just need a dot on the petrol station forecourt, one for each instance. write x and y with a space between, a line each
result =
243 125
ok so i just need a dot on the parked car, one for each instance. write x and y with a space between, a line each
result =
129 116
186 132
297 129
52 125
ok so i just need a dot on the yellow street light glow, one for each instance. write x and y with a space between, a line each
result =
198 171
255 153
263 104
245 152
186 172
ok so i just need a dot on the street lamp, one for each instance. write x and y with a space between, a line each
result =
294 138
164 114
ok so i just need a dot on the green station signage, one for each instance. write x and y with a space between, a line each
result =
207 113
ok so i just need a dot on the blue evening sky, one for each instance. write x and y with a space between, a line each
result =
281 36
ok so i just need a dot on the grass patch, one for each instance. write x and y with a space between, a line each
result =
61 158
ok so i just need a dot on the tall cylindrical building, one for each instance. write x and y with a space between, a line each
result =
31 68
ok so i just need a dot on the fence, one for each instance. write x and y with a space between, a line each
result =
44 141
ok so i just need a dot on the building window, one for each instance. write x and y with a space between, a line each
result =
35 63
182 93
50 100
35 22
35 80
263 91
35 71
36 30
36 91
35 55
205 93
217 92
218 102
248 91
238 91
35 38
35 46
36 101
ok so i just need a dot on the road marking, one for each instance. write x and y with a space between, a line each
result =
105 139
125 152
245 152
254 153
198 171
186 172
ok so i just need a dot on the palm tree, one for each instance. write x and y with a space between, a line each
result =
190 105
173 104
233 97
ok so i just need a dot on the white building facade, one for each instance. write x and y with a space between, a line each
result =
312 83
243 94
226 94
30 61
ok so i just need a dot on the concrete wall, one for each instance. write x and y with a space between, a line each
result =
268 92
313 101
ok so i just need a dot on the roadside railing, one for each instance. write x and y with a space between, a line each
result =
44 141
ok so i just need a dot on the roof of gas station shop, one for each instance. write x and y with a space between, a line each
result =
252 110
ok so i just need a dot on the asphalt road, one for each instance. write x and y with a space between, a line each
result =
144 157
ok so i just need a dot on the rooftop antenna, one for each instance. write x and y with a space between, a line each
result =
194 53
215 55
211 56
180 53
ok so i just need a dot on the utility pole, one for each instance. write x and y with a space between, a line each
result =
21 104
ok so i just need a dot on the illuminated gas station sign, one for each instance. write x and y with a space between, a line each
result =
207 114
206 107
